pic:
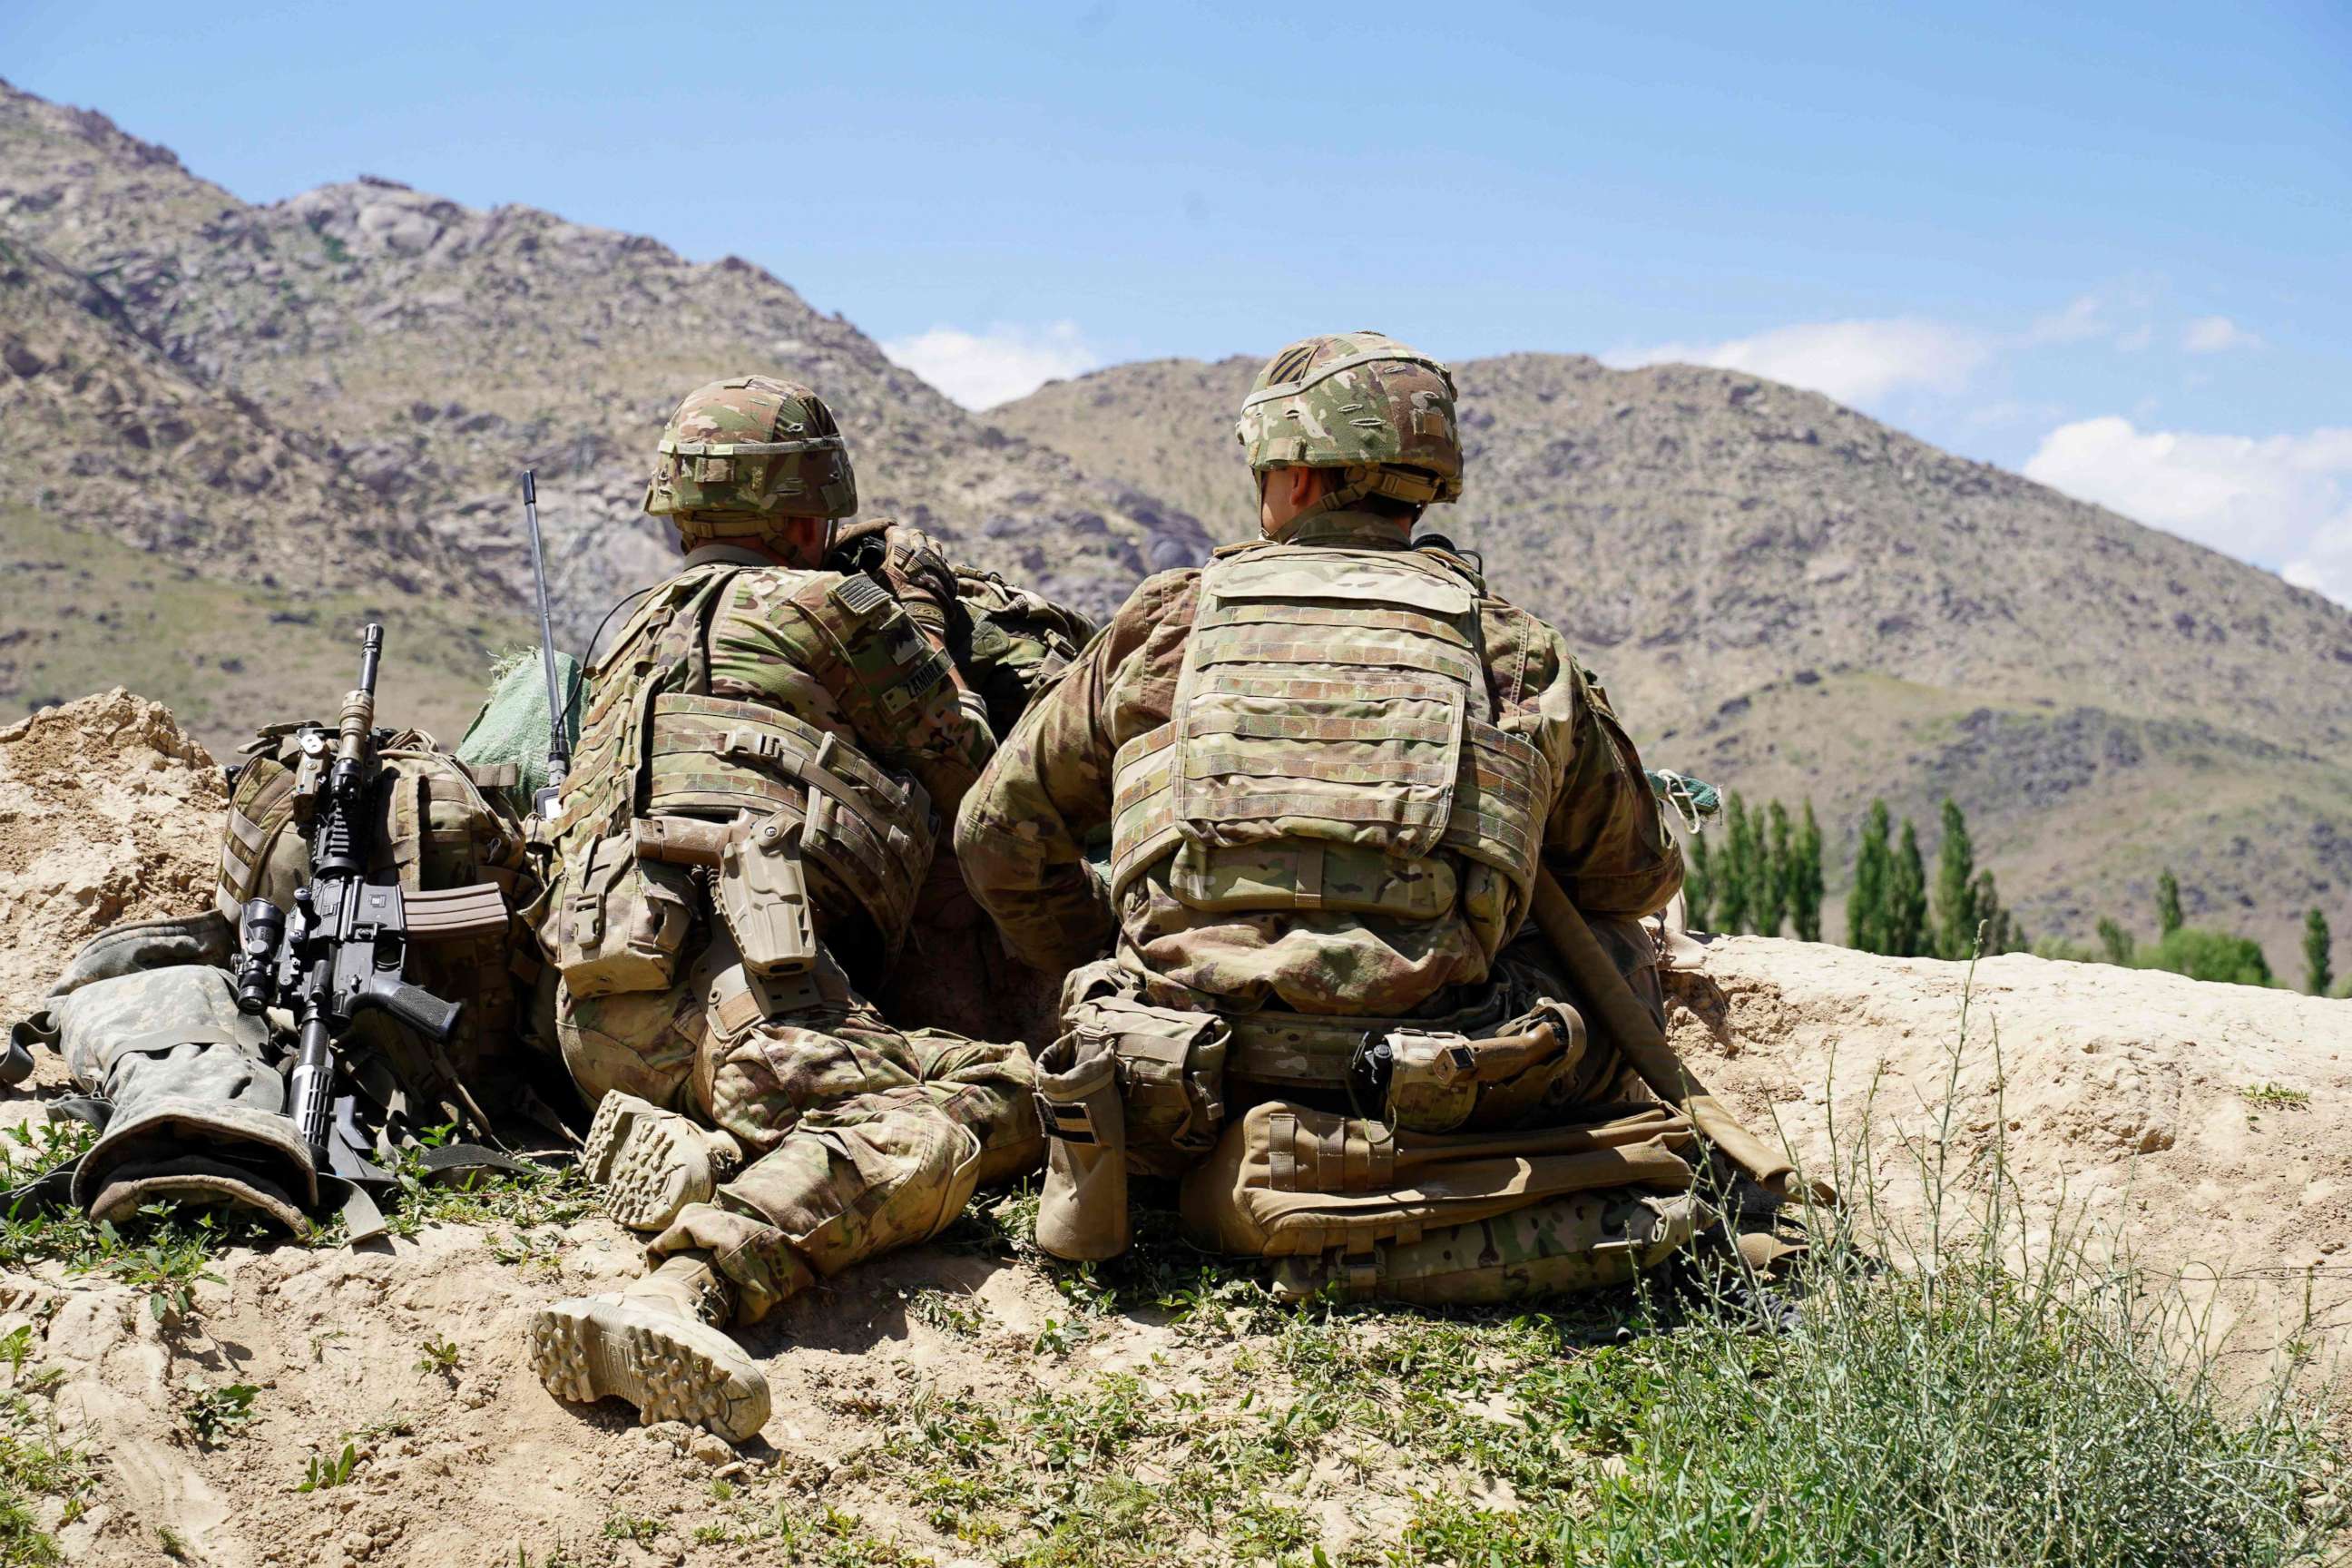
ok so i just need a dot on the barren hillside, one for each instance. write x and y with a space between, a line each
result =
427 352
1795 600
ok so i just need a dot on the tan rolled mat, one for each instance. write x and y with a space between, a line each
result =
1646 1047
1287 1180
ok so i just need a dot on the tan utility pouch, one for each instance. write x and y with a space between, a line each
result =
763 897
1439 1081
1172 1076
621 921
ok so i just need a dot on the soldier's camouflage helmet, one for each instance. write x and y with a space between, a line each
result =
739 457
1362 402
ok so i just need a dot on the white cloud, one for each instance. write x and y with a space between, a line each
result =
2084 316
2216 335
981 370
1853 362
2275 500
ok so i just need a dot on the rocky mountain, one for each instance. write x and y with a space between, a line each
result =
424 353
229 432
1794 598
121 473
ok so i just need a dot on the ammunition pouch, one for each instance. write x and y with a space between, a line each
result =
1425 1080
621 922
1171 1076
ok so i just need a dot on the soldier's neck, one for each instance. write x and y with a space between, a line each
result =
1354 530
719 551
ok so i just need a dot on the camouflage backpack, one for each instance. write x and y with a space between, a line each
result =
441 824
1010 643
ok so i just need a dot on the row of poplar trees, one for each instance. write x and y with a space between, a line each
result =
1760 871
1768 874
1893 910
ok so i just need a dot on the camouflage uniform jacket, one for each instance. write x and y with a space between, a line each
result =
836 651
1024 829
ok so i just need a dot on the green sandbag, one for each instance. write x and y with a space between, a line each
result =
1695 798
512 725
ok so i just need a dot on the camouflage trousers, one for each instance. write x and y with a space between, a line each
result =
857 1137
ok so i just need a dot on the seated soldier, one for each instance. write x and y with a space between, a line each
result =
1332 768
741 847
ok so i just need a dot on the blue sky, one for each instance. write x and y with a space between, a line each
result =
2106 244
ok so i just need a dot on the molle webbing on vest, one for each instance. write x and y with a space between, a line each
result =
652 745
1332 703
660 647
259 810
714 756
1329 1154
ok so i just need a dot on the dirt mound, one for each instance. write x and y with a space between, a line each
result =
2208 1128
109 812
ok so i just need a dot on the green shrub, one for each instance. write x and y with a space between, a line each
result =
2203 954
1967 1396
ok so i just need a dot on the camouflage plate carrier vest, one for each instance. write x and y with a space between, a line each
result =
658 753
1332 750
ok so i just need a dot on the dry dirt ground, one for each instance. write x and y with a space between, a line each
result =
962 1403
2205 1129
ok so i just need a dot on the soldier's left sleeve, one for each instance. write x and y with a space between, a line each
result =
911 707
1604 839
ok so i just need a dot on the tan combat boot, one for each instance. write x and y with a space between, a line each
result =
1082 1210
653 1163
660 1346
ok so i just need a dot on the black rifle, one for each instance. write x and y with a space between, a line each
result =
343 949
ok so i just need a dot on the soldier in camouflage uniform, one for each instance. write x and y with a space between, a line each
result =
740 845
1329 766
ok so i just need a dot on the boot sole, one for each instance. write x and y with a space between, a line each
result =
671 1368
652 1163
